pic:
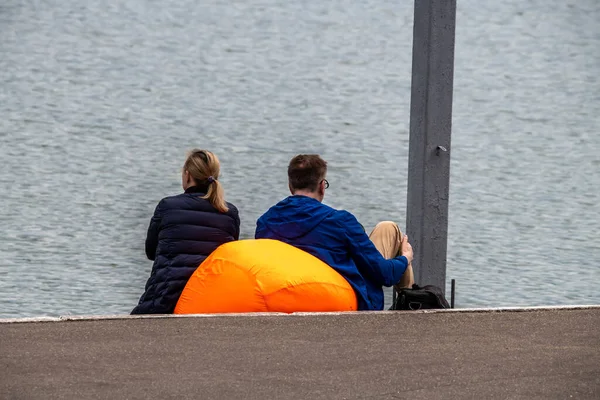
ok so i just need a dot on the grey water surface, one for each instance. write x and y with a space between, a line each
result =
99 102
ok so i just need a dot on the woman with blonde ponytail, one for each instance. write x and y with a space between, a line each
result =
184 230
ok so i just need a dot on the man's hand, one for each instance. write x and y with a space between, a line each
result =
406 249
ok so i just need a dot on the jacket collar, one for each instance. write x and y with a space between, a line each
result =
197 189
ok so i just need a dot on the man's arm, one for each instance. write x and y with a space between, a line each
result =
259 231
367 258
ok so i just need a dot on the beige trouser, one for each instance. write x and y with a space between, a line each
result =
387 238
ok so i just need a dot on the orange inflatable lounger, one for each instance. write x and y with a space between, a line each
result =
264 275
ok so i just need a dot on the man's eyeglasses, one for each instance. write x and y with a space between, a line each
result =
326 183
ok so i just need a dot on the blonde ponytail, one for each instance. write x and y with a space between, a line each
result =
204 168
216 196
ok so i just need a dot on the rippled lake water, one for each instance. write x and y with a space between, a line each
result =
99 102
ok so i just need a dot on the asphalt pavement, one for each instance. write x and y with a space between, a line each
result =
545 354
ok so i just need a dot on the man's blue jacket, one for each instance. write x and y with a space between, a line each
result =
335 237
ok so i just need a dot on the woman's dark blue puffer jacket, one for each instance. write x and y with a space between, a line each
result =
184 230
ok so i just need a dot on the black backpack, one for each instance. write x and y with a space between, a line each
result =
420 298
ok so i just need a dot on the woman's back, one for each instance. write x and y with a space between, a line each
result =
184 230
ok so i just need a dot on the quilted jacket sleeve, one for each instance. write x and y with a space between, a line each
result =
153 229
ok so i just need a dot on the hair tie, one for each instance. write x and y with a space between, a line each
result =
211 179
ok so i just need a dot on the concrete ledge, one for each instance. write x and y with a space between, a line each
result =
298 314
516 353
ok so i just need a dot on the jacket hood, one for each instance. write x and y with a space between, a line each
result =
295 216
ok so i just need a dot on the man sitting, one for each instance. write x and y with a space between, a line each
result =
336 237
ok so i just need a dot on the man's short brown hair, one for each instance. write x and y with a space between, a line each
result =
306 171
